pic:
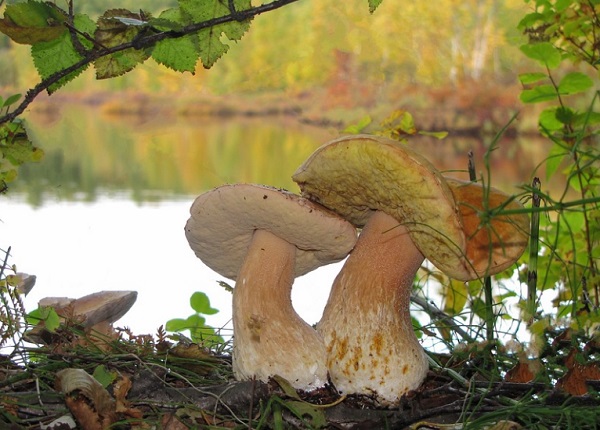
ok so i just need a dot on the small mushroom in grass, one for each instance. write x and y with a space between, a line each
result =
93 309
263 238
95 313
409 213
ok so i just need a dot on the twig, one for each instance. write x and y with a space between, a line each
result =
440 315
533 251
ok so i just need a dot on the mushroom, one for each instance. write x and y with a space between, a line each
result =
93 309
95 312
408 212
263 238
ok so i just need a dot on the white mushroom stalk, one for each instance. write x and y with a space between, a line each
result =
366 325
263 238
264 319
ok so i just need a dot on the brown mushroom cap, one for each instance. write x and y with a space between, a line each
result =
223 221
356 175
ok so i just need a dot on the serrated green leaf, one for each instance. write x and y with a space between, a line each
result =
210 46
575 82
544 53
531 78
33 22
57 55
541 93
178 54
113 32
201 304
374 4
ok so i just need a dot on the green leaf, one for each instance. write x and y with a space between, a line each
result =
544 53
33 22
104 376
59 54
45 314
113 32
548 120
10 100
210 45
555 157
359 126
575 82
374 4
541 93
201 304
179 54
531 78
437 134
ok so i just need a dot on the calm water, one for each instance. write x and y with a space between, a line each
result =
105 210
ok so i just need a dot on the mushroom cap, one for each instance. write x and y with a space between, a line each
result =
224 219
103 306
495 243
356 175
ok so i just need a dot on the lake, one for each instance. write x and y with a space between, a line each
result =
105 209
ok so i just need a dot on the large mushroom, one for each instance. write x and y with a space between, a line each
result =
263 238
408 212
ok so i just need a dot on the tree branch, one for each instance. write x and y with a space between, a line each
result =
141 43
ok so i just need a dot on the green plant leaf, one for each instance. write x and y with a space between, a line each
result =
531 78
59 54
45 314
544 53
10 100
104 376
541 93
549 121
359 126
374 4
179 54
33 22
555 157
575 82
210 44
201 304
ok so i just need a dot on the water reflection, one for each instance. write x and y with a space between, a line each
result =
106 207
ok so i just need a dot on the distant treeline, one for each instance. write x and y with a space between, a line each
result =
333 45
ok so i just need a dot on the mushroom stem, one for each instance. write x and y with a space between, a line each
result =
377 350
264 320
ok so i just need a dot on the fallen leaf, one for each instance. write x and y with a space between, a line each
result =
574 381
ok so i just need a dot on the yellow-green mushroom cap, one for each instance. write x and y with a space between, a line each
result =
357 175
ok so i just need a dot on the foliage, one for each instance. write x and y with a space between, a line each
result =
11 304
200 333
15 147
564 34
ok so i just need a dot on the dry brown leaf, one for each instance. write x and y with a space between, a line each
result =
574 381
78 380
170 422
84 414
521 373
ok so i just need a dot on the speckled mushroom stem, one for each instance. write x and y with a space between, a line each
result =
366 325
270 337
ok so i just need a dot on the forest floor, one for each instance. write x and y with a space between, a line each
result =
116 380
